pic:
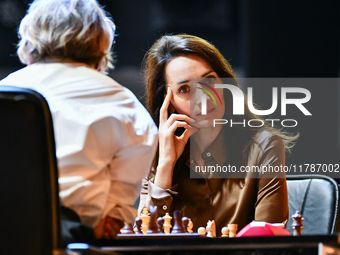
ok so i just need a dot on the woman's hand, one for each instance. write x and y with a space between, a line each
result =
170 146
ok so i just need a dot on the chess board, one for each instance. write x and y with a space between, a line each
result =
159 235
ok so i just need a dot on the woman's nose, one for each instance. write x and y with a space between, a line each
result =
200 94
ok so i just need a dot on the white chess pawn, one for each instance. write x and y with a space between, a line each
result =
232 230
167 223
201 231
225 232
145 218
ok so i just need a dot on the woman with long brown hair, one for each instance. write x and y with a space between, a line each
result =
174 182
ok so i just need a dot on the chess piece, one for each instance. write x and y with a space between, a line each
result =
201 231
127 229
160 223
167 223
297 224
145 219
178 226
153 226
232 230
138 228
211 228
225 232
145 211
185 222
190 226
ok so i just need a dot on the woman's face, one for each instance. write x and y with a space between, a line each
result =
178 73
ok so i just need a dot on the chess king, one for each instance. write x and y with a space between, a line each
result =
168 67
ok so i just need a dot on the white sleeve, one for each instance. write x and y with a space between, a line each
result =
129 166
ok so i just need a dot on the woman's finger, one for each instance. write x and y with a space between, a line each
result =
176 117
187 133
165 106
178 124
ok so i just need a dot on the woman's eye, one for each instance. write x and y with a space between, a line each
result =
184 89
210 80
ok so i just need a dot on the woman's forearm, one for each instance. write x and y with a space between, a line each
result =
164 173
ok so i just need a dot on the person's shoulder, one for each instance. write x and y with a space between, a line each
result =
126 106
13 78
104 80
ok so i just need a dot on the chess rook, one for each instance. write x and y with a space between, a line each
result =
232 230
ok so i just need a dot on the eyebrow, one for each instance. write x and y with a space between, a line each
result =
186 81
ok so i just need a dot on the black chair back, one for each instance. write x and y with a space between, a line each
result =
29 204
316 197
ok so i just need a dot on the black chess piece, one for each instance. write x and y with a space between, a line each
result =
153 226
128 229
138 222
178 226
160 222
185 222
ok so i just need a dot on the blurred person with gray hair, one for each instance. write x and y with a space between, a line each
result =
105 139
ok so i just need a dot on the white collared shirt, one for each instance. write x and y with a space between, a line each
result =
105 139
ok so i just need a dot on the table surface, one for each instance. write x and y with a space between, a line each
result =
201 245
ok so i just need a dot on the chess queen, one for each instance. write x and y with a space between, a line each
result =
188 138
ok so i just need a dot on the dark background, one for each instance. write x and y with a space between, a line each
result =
260 38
